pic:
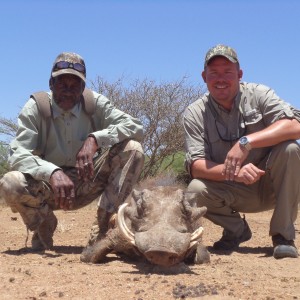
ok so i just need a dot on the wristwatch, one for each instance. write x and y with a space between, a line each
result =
245 143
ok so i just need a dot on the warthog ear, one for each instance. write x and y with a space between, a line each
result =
201 211
136 194
190 204
138 199
144 194
195 213
191 198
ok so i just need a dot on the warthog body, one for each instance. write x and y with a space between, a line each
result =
159 225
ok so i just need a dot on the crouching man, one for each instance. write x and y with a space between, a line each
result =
84 149
243 155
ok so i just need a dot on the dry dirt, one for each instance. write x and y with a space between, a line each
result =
250 273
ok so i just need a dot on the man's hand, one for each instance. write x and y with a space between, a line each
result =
63 189
233 162
84 159
249 174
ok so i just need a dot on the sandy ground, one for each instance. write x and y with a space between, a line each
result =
250 273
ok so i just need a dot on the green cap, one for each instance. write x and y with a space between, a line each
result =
221 50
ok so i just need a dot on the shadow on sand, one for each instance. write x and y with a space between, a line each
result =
58 251
264 251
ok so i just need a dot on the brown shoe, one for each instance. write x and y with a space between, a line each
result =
100 226
104 221
42 238
227 242
283 248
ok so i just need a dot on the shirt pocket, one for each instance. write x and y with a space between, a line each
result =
253 120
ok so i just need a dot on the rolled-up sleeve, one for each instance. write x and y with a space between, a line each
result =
194 137
273 107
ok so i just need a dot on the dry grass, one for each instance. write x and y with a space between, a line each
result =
163 179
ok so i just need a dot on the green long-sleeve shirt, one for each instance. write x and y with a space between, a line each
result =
67 133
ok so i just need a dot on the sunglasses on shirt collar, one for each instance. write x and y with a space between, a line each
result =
68 65
241 131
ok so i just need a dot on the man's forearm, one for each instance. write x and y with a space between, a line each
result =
278 132
205 169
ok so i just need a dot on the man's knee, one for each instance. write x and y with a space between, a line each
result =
12 186
196 186
284 155
288 148
199 187
128 150
137 148
132 145
130 153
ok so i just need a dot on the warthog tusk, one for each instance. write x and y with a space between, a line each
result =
192 244
126 232
197 234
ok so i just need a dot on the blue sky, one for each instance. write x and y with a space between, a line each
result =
159 40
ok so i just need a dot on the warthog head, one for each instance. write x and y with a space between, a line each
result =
157 224
162 226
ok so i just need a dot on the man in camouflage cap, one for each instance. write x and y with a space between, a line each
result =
72 158
242 154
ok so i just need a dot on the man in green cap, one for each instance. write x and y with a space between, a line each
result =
72 146
242 154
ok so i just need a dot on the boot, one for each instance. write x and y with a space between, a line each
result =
283 247
100 226
98 232
42 238
229 242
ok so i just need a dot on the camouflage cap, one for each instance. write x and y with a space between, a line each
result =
221 50
74 64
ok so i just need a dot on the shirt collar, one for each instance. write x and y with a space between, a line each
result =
219 108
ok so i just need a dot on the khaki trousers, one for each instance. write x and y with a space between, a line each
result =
278 189
116 172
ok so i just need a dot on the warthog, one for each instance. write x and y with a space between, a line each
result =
158 224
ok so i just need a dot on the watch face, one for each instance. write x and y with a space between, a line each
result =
243 140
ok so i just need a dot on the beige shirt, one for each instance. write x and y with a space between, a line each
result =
67 134
211 131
